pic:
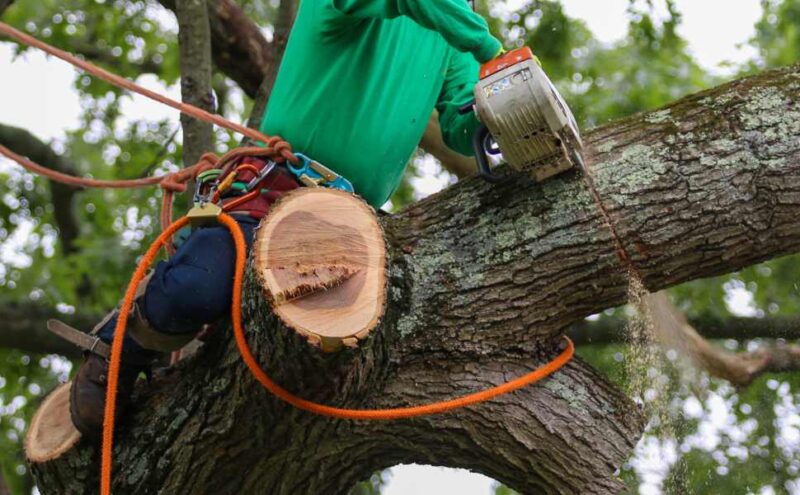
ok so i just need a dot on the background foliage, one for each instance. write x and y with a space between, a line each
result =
720 440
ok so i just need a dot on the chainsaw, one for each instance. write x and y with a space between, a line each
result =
523 117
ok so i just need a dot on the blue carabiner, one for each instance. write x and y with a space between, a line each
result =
314 174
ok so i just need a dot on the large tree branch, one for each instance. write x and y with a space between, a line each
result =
672 330
525 439
25 329
611 329
703 187
29 322
61 196
482 280
239 48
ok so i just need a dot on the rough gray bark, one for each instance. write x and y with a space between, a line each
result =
26 329
483 279
194 40
26 332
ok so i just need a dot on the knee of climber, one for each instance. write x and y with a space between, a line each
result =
194 287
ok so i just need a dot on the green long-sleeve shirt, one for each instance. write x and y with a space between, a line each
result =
360 78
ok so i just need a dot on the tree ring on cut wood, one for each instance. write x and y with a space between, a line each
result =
51 432
320 256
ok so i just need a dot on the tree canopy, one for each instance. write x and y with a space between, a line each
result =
73 250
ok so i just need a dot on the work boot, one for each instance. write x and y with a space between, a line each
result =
87 399
88 393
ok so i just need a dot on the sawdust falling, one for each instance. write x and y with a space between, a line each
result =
647 370
650 377
642 355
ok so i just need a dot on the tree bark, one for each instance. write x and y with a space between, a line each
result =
194 39
27 323
483 280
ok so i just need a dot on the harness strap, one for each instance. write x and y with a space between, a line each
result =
251 184
81 339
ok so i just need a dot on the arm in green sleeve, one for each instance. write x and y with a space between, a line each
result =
462 28
461 77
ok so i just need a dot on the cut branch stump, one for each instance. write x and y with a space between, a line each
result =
320 256
51 432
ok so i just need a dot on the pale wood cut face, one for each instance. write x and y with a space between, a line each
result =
322 259
51 432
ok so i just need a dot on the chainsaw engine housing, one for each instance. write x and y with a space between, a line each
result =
526 115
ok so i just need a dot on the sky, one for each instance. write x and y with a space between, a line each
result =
36 94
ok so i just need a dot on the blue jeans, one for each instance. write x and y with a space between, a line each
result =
192 288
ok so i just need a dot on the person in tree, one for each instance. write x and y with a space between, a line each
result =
356 87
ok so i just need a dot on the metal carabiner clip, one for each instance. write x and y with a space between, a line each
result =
314 174
268 167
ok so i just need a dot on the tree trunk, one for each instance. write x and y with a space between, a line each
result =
240 50
194 38
482 281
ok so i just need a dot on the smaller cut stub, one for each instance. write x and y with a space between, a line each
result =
51 432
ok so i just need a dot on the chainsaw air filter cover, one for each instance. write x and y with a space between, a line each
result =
526 115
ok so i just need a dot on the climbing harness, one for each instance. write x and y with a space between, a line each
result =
227 184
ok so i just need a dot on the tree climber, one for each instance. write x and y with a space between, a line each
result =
357 84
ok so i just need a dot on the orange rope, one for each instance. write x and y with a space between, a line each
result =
121 82
116 351
170 183
241 342
78 181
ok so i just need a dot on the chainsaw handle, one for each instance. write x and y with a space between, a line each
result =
466 107
479 146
